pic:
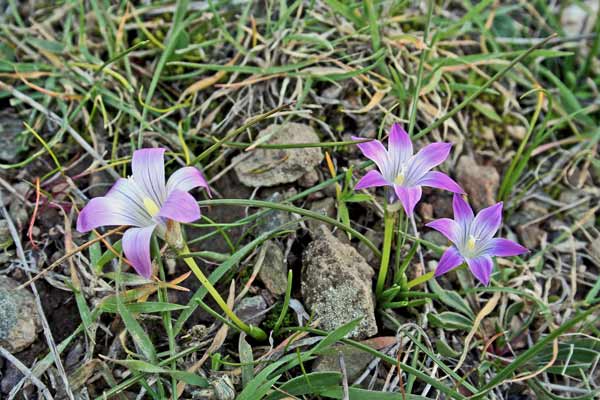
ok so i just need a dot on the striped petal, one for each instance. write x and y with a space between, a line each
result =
122 205
148 167
481 267
463 214
399 144
450 260
103 211
371 179
505 248
409 197
487 222
440 180
429 157
186 179
447 227
136 246
180 206
375 151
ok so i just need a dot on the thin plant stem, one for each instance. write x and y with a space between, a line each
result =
167 320
414 225
253 331
388 235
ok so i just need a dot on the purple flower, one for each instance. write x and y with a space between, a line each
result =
473 239
405 172
145 202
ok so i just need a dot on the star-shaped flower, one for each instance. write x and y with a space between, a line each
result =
473 239
403 171
146 203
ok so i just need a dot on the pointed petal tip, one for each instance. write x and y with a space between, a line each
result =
136 247
372 178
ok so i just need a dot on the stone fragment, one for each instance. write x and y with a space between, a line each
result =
270 167
337 285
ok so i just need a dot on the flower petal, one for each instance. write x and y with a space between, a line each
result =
441 181
429 157
371 179
136 246
375 151
148 167
101 211
463 214
505 248
487 221
450 260
481 267
186 179
447 227
180 206
399 145
409 197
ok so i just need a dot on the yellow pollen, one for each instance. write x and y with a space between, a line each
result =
399 179
471 243
151 206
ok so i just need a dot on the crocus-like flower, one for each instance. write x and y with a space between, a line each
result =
403 171
473 239
146 203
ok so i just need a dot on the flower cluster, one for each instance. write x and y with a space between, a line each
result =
147 203
472 236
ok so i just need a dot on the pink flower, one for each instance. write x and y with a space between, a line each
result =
403 171
473 239
145 202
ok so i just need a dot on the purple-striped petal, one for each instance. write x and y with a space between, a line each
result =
505 248
429 157
180 206
481 267
463 214
375 151
148 167
487 221
447 227
409 197
136 246
450 260
399 144
102 211
371 179
186 179
440 180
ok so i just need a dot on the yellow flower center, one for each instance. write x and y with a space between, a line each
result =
399 179
151 206
471 243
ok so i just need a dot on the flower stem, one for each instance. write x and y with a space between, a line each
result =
389 220
253 331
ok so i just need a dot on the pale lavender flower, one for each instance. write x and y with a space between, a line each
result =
473 239
403 171
146 203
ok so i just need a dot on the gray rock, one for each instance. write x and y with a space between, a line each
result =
274 219
250 310
270 167
336 285
273 272
19 319
479 181
324 206
355 361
